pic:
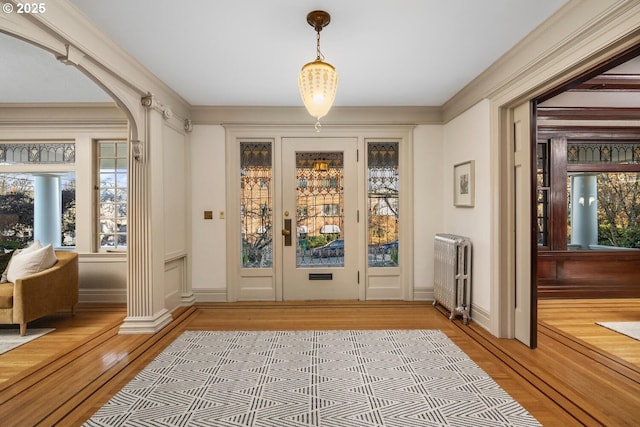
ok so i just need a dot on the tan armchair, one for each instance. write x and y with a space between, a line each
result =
39 294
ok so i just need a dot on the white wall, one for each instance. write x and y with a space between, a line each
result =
467 137
103 278
436 149
175 192
208 260
176 231
429 190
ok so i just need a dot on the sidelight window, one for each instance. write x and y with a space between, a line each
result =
383 203
256 204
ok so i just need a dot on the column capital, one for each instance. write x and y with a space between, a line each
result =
137 150
150 101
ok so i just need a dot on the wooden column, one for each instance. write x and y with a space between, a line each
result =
145 266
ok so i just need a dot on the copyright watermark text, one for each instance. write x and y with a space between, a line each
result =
24 8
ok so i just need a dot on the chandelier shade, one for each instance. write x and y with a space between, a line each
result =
318 82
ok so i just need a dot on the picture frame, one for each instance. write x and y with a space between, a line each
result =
464 184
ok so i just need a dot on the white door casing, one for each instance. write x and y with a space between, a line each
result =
268 283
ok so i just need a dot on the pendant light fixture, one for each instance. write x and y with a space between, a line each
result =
318 80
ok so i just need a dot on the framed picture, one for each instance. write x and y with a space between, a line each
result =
464 184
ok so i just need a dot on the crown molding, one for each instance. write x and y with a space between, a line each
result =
239 115
579 31
64 114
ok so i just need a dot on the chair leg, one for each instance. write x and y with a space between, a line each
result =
73 309
23 329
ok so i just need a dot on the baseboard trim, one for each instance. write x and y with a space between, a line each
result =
423 294
102 296
210 295
480 316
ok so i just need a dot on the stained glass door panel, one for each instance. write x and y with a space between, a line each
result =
319 209
320 199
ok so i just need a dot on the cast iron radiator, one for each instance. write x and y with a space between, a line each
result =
452 275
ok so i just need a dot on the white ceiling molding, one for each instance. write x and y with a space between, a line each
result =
577 34
225 115
80 114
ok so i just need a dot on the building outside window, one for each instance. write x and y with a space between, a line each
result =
37 194
112 194
594 197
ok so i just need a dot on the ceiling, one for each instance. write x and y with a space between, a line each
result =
249 52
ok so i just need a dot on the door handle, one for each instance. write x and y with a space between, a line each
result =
286 232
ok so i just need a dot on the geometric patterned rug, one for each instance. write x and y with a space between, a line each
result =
397 378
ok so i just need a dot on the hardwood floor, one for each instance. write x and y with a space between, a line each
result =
71 331
577 318
580 374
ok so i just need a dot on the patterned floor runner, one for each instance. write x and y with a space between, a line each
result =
397 378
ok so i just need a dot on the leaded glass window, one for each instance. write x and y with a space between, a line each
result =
383 203
38 153
256 204
603 153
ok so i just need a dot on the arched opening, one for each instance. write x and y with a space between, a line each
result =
59 128
152 271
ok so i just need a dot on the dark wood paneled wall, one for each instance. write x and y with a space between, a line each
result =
589 274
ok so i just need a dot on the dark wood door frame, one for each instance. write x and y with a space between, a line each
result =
593 80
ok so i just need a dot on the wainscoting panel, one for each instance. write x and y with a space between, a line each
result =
589 274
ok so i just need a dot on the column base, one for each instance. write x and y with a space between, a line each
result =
187 300
146 325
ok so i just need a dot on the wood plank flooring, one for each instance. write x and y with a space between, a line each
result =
70 331
579 375
577 318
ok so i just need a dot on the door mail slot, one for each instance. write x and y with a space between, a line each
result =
320 276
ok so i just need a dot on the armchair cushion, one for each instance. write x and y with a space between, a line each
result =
30 262
7 257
